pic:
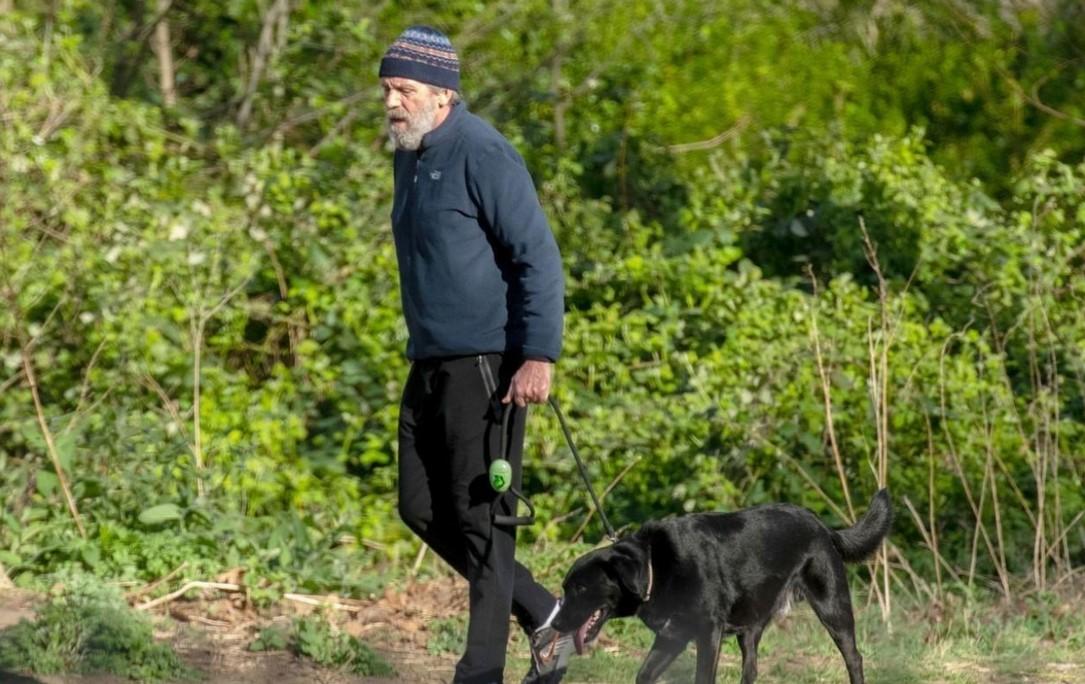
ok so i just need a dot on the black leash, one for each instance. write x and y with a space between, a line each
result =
501 476
583 471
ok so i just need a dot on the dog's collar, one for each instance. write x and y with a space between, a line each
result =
648 592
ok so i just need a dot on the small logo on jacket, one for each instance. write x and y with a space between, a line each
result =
435 175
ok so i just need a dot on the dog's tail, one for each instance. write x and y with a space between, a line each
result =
865 536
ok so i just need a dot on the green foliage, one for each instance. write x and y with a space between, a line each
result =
447 635
206 291
270 639
314 638
85 627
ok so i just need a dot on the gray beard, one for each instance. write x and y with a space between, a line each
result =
410 138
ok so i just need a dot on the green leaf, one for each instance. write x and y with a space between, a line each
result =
65 445
156 515
47 482
91 555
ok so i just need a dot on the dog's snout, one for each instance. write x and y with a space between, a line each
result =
561 621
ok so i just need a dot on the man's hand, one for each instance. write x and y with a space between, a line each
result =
530 384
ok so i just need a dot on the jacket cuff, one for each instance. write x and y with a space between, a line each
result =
536 353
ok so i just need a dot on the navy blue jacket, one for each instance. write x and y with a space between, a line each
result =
479 268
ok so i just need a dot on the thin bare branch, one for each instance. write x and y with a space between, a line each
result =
978 25
272 38
85 388
225 300
10 382
417 565
323 602
148 381
879 389
312 115
929 540
148 588
827 400
591 511
220 586
54 456
1032 96
714 141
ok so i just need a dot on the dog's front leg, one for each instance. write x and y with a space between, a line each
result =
664 650
708 655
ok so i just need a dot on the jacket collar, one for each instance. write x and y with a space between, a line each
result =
448 128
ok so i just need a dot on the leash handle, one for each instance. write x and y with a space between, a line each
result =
583 470
529 519
516 520
499 518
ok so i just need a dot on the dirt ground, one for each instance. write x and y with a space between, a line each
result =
212 633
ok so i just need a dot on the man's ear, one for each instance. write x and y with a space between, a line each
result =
629 563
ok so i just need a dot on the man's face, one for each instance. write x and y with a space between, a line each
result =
413 109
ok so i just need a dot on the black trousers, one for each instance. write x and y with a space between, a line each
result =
449 431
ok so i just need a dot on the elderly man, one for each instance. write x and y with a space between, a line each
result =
482 289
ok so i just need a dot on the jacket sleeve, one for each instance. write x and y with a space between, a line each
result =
510 211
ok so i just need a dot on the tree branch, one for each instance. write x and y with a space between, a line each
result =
122 77
165 55
268 45
31 379
714 141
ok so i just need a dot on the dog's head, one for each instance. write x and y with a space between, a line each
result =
605 583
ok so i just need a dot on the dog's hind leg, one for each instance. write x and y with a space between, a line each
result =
747 643
708 655
827 590
664 650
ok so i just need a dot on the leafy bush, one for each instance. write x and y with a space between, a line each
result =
86 627
207 302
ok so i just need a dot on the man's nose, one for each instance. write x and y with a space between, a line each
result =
391 100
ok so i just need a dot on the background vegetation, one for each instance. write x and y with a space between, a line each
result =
812 248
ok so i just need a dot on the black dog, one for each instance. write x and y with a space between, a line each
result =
703 576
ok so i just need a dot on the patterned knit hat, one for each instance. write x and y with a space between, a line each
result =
423 54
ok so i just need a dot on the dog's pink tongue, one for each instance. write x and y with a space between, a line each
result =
580 639
579 636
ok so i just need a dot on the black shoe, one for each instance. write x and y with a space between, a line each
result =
550 653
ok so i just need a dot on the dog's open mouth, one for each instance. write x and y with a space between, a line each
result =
589 630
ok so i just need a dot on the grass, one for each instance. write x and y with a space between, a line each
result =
86 627
1040 639
993 649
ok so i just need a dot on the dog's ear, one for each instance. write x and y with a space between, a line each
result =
629 562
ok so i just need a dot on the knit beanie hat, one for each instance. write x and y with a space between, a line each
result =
422 53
